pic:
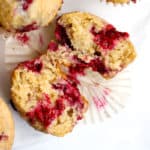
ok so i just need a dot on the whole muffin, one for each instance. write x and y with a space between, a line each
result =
6 127
98 44
121 1
45 96
26 15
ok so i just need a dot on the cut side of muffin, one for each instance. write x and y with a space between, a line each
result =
6 127
45 96
96 39
26 15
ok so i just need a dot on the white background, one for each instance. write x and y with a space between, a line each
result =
128 130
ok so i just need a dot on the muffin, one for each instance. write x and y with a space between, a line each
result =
98 44
45 95
121 1
26 15
6 127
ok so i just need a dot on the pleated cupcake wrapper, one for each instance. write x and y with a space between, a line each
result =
18 49
118 4
106 97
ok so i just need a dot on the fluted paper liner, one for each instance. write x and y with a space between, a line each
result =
106 97
19 47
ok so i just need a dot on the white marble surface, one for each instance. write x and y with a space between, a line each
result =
128 130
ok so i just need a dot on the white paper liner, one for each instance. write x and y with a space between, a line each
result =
17 51
106 97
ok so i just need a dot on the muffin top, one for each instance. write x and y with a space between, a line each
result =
27 15
121 1
6 127
95 39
